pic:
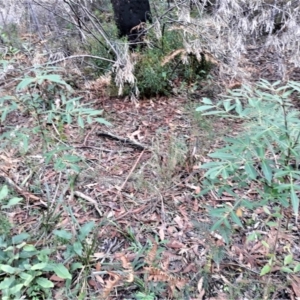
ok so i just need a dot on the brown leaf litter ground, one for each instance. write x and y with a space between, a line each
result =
139 183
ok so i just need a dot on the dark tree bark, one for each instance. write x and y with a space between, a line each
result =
130 16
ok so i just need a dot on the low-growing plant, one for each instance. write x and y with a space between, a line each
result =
49 101
25 269
78 246
7 202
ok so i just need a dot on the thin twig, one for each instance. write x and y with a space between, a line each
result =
88 135
27 195
74 56
89 199
130 173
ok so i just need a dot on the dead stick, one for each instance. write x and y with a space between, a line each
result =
130 173
89 199
126 141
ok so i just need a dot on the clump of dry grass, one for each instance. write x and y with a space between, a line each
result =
231 26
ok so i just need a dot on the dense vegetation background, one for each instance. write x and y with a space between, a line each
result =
167 170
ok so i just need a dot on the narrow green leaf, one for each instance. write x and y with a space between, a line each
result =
266 210
44 283
12 202
61 271
25 83
75 266
225 173
295 202
77 246
265 244
217 225
227 105
71 158
238 107
93 112
272 224
260 152
89 120
85 230
250 171
210 165
236 219
206 100
204 107
297 268
215 112
288 259
252 237
226 223
39 266
80 122
213 173
222 155
69 118
265 270
286 270
63 234
287 94
102 121
267 170
3 192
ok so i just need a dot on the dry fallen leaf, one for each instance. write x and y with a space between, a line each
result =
239 212
296 285
56 278
200 289
175 245
179 221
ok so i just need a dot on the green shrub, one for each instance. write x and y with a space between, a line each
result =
157 68
265 155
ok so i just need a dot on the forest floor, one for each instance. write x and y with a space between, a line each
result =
139 182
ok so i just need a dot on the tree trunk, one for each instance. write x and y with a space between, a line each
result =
130 17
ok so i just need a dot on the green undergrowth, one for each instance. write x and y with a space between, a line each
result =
158 71
27 255
160 68
264 158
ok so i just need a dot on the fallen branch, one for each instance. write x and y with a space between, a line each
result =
126 141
